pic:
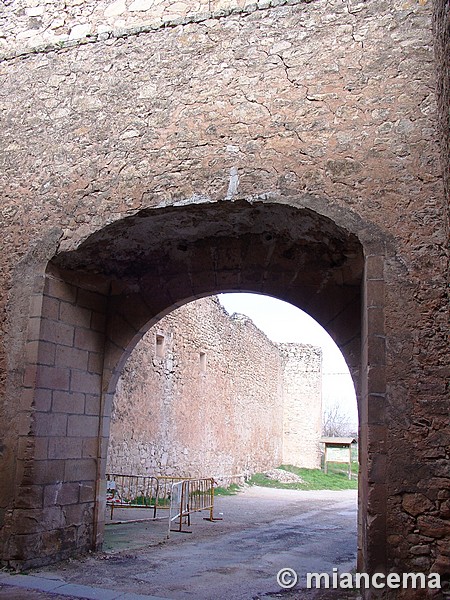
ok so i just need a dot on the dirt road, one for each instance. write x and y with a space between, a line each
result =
263 530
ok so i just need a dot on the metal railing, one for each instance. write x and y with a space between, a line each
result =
165 489
131 491
139 491
189 496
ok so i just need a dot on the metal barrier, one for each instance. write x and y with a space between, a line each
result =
139 491
165 489
189 496
131 491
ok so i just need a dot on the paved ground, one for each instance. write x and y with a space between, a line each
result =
263 530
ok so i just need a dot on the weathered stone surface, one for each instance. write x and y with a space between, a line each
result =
280 150
416 504
208 395
302 405
433 526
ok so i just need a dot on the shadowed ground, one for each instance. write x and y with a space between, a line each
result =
263 530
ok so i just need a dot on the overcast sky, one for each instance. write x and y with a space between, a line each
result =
282 322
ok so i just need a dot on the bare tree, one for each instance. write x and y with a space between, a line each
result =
335 422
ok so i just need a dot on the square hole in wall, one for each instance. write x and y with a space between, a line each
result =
160 345
202 362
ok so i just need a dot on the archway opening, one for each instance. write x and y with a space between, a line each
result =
255 405
101 296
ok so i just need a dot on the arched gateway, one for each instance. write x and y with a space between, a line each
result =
288 148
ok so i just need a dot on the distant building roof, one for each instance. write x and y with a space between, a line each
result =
338 441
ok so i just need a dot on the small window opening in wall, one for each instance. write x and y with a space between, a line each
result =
202 362
160 343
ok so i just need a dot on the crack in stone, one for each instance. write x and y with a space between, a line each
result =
197 18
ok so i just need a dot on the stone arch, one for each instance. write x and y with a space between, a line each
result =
97 301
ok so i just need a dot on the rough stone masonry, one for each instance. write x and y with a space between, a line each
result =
157 152
204 394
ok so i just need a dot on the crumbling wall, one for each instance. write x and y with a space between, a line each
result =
203 394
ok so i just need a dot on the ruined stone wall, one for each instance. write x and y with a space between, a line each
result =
302 410
209 399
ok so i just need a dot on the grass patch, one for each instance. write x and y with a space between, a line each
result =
231 490
147 501
313 479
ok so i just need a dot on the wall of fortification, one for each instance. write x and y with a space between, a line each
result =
208 399
302 406
29 25
324 106
441 27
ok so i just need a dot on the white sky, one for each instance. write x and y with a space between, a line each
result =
283 322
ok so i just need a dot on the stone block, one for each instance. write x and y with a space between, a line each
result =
120 332
73 314
30 496
375 293
433 526
65 447
376 409
95 363
87 491
375 321
37 519
90 447
416 504
84 382
34 328
92 301
92 406
50 424
42 400
22 545
82 426
79 515
80 469
68 402
376 441
75 358
50 308
55 378
374 267
441 565
86 339
139 316
57 332
115 9
98 321
376 350
47 471
377 469
61 494
43 351
376 379
56 288
32 447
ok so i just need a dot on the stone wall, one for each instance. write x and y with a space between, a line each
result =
30 25
441 26
293 150
204 394
302 411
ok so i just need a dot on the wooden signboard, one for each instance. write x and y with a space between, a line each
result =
338 450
